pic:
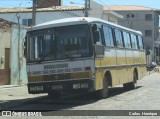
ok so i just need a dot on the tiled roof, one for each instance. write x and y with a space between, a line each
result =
128 8
49 9
5 24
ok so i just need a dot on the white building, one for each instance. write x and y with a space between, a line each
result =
56 12
12 63
99 11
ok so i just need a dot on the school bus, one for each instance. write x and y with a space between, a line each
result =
77 55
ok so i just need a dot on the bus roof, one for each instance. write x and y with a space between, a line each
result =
77 20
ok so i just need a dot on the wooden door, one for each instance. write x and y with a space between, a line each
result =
7 66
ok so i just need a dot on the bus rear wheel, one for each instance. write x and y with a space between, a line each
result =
131 85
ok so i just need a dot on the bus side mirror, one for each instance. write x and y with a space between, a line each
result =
25 48
147 52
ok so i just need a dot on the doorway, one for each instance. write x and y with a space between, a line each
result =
7 66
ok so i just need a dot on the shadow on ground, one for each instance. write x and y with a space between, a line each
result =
44 103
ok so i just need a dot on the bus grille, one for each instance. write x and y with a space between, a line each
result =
65 76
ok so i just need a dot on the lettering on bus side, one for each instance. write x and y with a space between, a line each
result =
55 66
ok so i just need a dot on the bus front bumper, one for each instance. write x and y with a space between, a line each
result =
66 86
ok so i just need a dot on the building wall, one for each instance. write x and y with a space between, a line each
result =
18 62
42 17
48 3
49 16
5 36
157 24
97 11
110 18
9 61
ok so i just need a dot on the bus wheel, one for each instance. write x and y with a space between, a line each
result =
54 95
131 85
103 93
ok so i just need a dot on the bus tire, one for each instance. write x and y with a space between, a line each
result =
131 85
135 78
103 93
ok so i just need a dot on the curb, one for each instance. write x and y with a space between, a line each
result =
10 86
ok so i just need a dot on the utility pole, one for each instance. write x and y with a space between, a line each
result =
19 61
87 7
158 54
34 13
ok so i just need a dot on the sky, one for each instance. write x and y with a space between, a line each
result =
28 3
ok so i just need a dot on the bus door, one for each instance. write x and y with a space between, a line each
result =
98 41
99 54
109 60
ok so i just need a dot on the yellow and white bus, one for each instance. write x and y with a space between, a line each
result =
77 55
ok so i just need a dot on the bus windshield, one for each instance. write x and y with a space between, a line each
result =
58 43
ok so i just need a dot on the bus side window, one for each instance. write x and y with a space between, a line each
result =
97 36
140 41
108 36
118 38
134 41
126 38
